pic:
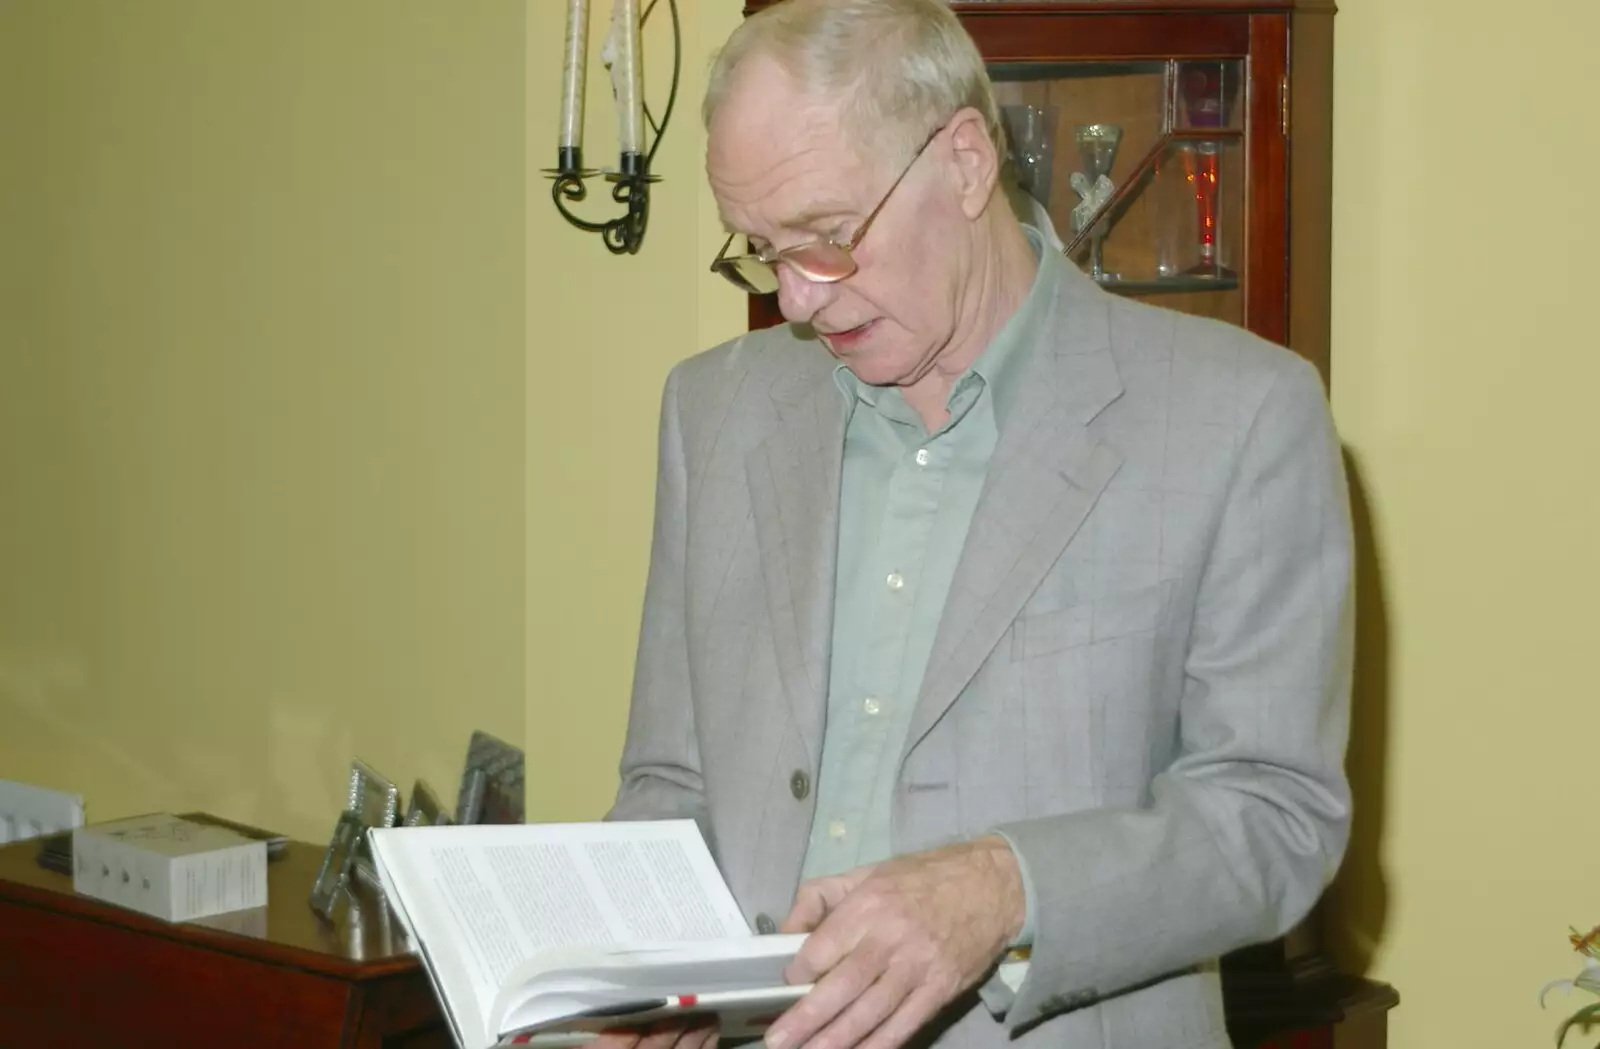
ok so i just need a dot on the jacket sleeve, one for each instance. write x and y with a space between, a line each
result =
660 770
1247 826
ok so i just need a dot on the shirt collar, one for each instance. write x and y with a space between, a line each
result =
1022 330
994 368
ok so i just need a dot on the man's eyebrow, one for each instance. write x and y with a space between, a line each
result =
809 217
817 212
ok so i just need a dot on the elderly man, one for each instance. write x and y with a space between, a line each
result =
986 610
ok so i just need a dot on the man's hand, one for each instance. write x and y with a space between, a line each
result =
891 945
698 1032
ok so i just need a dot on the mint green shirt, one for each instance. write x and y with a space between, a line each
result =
906 501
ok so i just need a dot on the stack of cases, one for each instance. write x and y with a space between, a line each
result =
169 867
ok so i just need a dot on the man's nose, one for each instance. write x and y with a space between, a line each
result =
801 299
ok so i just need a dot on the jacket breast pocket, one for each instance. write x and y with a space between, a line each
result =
1139 611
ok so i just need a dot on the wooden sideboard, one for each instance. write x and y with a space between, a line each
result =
77 972
1278 1000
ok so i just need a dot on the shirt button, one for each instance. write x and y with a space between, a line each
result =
799 785
765 925
872 706
922 457
895 581
836 829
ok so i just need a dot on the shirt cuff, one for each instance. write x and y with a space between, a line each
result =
1024 938
999 992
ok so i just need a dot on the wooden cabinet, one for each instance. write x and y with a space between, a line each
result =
78 972
1212 122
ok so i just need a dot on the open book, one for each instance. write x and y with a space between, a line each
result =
545 934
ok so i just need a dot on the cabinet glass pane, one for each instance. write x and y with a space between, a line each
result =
1206 96
1139 167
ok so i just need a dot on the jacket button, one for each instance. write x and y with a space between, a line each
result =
765 925
799 785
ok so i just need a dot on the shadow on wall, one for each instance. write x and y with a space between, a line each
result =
1357 906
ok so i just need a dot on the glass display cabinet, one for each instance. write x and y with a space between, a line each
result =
1140 166
1182 152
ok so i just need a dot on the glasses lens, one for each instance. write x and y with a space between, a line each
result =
821 262
750 274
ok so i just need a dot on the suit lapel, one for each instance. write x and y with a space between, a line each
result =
1045 476
794 491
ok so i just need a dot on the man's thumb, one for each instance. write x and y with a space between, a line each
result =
810 907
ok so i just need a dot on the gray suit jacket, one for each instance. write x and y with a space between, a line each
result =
1141 674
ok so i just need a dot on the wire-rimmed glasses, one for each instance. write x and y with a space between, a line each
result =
822 261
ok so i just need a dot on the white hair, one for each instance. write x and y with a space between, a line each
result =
898 68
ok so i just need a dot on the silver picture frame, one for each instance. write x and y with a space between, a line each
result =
426 810
374 798
491 782
332 885
371 800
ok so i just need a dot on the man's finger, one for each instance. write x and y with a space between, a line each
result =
616 1040
844 932
658 1039
815 900
816 958
862 1016
700 1038
832 995
665 1034
916 1009
810 907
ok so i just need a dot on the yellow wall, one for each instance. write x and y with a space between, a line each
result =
602 332
1464 383
261 345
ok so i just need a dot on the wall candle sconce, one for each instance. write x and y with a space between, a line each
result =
631 180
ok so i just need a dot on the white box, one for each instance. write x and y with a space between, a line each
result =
169 868
27 811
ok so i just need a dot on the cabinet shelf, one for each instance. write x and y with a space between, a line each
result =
1160 285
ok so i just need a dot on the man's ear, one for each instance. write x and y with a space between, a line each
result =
977 164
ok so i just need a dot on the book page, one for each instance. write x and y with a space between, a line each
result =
748 970
484 899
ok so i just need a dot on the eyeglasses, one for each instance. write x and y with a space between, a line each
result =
821 261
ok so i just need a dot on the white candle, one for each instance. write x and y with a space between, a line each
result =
572 71
627 75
